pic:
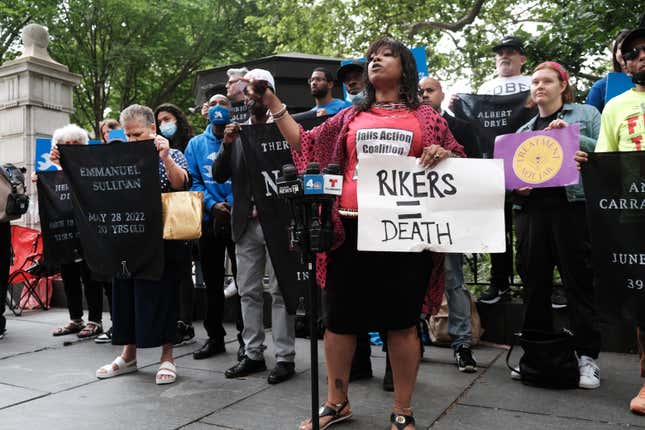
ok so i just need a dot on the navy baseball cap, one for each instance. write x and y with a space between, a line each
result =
510 42
633 34
355 65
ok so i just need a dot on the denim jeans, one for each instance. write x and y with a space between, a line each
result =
458 298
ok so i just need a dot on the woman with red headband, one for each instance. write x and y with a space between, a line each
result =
551 226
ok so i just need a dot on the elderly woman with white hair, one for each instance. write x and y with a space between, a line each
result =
74 273
144 312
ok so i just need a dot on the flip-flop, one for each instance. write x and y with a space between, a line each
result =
166 369
122 367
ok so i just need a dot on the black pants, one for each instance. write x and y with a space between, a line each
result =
145 312
186 293
107 289
212 250
501 264
552 236
72 275
5 264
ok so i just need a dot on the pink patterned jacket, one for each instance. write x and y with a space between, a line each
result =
326 144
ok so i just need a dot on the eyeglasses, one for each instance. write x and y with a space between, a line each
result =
633 53
316 79
231 83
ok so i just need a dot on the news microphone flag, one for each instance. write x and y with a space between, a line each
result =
332 184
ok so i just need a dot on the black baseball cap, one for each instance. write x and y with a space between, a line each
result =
510 42
354 65
633 34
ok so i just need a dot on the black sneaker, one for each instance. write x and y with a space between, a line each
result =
185 334
558 297
492 295
464 359
189 334
105 337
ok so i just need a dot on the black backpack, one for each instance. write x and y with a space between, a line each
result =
14 201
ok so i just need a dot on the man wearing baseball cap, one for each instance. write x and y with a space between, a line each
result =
216 233
509 59
252 252
351 75
623 125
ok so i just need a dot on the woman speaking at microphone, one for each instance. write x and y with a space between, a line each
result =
362 290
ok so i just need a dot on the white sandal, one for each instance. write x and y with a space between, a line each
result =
166 369
121 367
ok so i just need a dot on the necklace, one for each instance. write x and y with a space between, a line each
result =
390 105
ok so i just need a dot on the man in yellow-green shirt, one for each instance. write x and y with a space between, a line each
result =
623 129
623 119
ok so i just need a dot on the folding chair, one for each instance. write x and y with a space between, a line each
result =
27 269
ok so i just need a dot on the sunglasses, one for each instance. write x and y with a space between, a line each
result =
633 54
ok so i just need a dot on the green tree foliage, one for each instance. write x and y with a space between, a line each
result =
148 52
459 33
14 15
135 51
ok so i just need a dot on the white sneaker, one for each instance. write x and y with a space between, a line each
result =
589 373
515 374
230 290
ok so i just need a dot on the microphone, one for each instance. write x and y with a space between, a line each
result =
332 180
313 180
289 184
290 188
332 187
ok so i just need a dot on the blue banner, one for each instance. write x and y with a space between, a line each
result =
617 83
41 162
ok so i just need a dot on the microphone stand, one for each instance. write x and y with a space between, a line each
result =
313 341
310 232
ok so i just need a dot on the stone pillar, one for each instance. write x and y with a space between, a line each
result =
36 97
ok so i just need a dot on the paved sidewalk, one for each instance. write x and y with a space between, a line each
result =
48 383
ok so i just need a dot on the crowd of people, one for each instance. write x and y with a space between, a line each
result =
382 92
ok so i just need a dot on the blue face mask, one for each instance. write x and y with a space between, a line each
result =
219 115
168 129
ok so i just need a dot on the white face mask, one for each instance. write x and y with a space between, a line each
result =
356 98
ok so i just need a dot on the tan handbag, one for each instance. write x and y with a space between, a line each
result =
438 324
181 212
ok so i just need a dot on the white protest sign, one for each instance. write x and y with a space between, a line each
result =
457 206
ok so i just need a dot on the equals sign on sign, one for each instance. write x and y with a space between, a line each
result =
409 203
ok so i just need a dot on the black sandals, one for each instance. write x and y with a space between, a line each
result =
401 421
